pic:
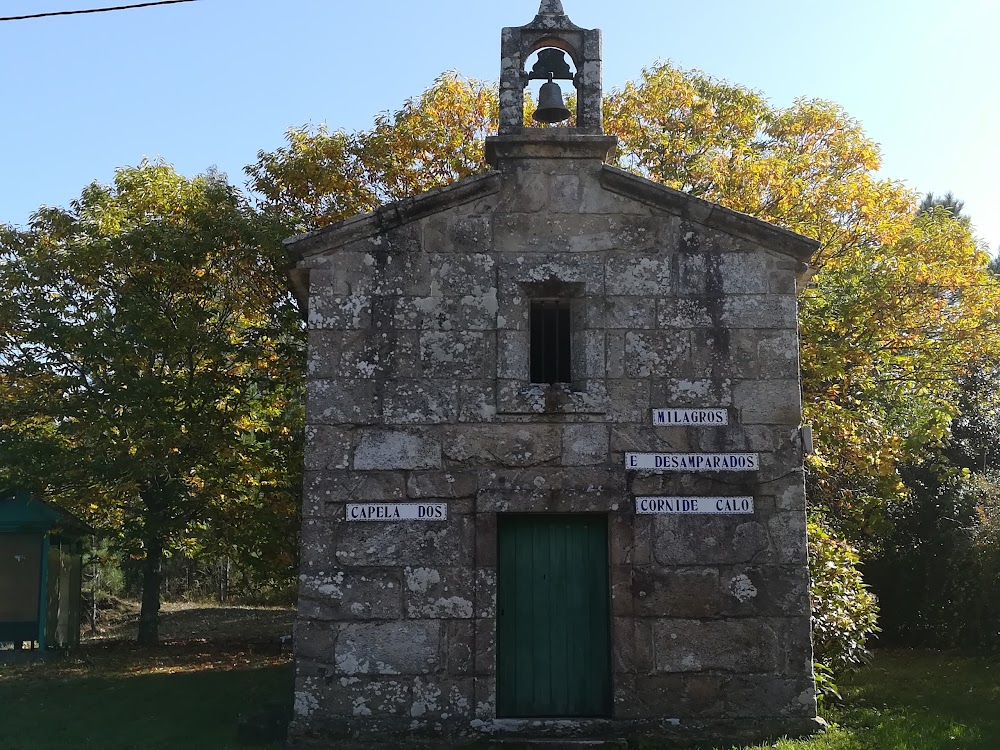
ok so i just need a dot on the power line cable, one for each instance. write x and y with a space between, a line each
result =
94 10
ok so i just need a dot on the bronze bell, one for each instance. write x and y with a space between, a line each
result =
551 107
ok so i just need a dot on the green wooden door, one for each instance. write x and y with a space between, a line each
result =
553 617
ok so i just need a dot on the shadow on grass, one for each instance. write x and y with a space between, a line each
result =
180 621
191 696
193 709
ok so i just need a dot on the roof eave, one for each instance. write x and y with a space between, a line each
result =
784 241
392 215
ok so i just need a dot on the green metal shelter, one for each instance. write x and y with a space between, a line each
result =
41 554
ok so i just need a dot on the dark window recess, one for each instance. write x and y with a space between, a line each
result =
550 341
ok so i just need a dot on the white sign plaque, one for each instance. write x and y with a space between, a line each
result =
692 461
691 417
695 506
398 512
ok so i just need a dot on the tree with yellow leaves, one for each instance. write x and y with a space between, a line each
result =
898 309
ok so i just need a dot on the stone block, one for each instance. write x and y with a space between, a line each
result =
587 351
519 271
486 646
460 647
782 282
339 402
764 591
686 312
458 275
708 540
660 354
754 696
326 488
410 647
421 402
629 401
519 397
633 275
503 445
689 696
438 593
315 640
622 545
623 645
778 354
796 654
525 191
343 354
644 655
397 449
595 199
614 350
789 492
486 537
564 193
630 313
486 591
683 392
722 352
381 274
436 699
738 438
622 601
478 312
760 311
367 544
332 312
477 401
685 593
328 447
788 537
372 594
739 646
448 233
768 401
584 444
432 485
649 439
452 355
513 348
323 701
715 274
426 313
486 698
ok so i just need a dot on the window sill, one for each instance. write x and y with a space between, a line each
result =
520 397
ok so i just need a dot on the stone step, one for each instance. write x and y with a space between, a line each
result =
557 743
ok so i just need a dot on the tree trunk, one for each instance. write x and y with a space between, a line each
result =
152 576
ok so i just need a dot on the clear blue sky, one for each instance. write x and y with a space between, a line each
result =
214 81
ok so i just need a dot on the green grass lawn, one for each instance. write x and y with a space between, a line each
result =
189 695
116 697
914 700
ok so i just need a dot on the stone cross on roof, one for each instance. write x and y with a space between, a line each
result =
551 8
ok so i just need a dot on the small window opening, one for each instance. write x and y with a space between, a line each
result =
550 341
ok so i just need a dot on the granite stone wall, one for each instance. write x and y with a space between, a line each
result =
419 392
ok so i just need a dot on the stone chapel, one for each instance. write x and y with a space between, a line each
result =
554 462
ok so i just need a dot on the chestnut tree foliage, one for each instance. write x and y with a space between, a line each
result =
899 308
150 367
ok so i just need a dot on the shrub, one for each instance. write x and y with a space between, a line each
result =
844 611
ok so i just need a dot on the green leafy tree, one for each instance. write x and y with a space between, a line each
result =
150 363
898 312
948 202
